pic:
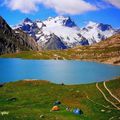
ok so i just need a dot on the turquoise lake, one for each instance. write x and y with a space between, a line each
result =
57 71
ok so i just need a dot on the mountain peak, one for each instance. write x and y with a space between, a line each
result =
27 20
38 20
66 21
91 23
100 26
104 27
60 21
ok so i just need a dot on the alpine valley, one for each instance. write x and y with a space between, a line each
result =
58 51
60 38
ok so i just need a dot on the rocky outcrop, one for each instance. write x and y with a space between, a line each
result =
13 41
54 43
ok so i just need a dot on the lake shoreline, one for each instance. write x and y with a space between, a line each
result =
109 62
48 81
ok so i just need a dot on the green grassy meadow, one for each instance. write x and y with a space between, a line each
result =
36 98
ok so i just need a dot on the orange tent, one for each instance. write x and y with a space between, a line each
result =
55 108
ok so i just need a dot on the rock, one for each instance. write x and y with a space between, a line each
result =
53 43
12 99
4 113
102 110
42 116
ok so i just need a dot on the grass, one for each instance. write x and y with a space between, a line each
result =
36 98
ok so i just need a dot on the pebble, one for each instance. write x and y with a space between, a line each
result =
4 113
41 116
102 110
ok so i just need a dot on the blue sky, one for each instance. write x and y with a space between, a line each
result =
81 11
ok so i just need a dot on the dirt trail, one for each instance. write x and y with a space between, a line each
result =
112 103
110 92
98 103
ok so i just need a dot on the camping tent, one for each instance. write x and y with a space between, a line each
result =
57 103
77 111
55 108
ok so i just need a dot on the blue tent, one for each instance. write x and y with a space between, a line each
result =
77 111
57 103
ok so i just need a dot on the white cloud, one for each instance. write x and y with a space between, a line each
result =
60 6
25 6
115 3
70 6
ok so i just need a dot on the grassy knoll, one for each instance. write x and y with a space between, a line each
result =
35 98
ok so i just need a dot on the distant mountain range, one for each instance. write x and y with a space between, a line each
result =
54 33
61 32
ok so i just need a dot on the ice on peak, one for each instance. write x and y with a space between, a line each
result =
91 24
60 21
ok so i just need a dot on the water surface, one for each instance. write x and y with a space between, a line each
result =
57 71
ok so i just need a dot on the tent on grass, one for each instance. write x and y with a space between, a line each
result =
77 111
57 103
55 108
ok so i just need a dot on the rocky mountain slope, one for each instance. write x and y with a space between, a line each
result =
12 41
66 30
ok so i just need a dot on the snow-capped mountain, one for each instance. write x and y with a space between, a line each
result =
59 21
64 28
95 32
29 27
65 32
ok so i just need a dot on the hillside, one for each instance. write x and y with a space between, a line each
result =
14 41
107 51
28 100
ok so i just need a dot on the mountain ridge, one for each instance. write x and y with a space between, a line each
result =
67 31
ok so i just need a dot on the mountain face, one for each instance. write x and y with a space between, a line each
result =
12 41
29 27
96 32
53 42
64 29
